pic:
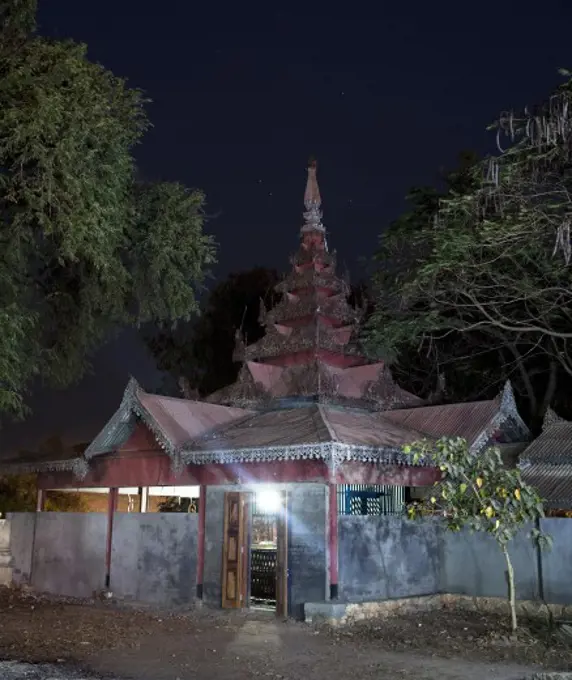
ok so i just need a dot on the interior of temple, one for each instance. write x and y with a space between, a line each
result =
263 548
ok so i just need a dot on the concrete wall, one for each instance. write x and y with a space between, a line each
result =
22 528
557 562
154 557
387 557
307 545
69 553
214 525
474 565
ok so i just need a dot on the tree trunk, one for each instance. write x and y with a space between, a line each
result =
511 589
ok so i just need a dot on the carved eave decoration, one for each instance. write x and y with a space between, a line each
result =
311 380
551 418
239 351
78 466
262 314
245 392
311 256
295 307
315 336
506 417
332 453
312 279
385 395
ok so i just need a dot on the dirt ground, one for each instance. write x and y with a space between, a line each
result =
111 641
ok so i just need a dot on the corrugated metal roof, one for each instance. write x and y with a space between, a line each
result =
553 446
284 427
181 419
308 425
448 420
368 429
552 482
547 464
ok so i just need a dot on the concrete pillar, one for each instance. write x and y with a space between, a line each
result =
40 500
5 553
201 541
143 499
333 539
111 510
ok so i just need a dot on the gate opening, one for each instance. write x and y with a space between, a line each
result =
266 507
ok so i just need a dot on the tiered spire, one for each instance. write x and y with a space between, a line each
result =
312 201
311 347
313 320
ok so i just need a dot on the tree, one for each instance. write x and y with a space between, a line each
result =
201 352
84 248
477 492
484 266
18 494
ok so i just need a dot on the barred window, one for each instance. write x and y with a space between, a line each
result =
363 499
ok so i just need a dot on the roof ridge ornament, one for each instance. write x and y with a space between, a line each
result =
507 400
312 201
551 418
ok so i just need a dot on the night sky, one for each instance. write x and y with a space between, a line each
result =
383 94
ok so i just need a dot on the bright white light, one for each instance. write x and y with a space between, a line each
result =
268 501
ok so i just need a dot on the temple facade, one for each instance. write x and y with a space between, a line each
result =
312 429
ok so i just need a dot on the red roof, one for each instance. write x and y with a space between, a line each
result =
448 420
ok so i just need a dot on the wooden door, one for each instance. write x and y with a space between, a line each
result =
234 559
282 557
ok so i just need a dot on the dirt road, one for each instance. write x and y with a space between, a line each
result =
125 644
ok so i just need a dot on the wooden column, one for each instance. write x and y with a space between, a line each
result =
40 500
201 540
333 539
111 509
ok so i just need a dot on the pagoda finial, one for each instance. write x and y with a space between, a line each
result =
312 200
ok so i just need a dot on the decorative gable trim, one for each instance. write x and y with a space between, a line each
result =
508 412
122 424
551 418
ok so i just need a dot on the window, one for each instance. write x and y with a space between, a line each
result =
362 499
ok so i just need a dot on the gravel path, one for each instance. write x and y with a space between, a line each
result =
13 670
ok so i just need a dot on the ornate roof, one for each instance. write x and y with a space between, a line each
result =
312 201
310 278
547 463
478 422
316 335
553 447
199 432
311 347
305 390
369 386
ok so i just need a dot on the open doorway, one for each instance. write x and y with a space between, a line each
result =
266 505
255 551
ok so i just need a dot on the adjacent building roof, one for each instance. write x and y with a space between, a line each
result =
24 462
547 463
